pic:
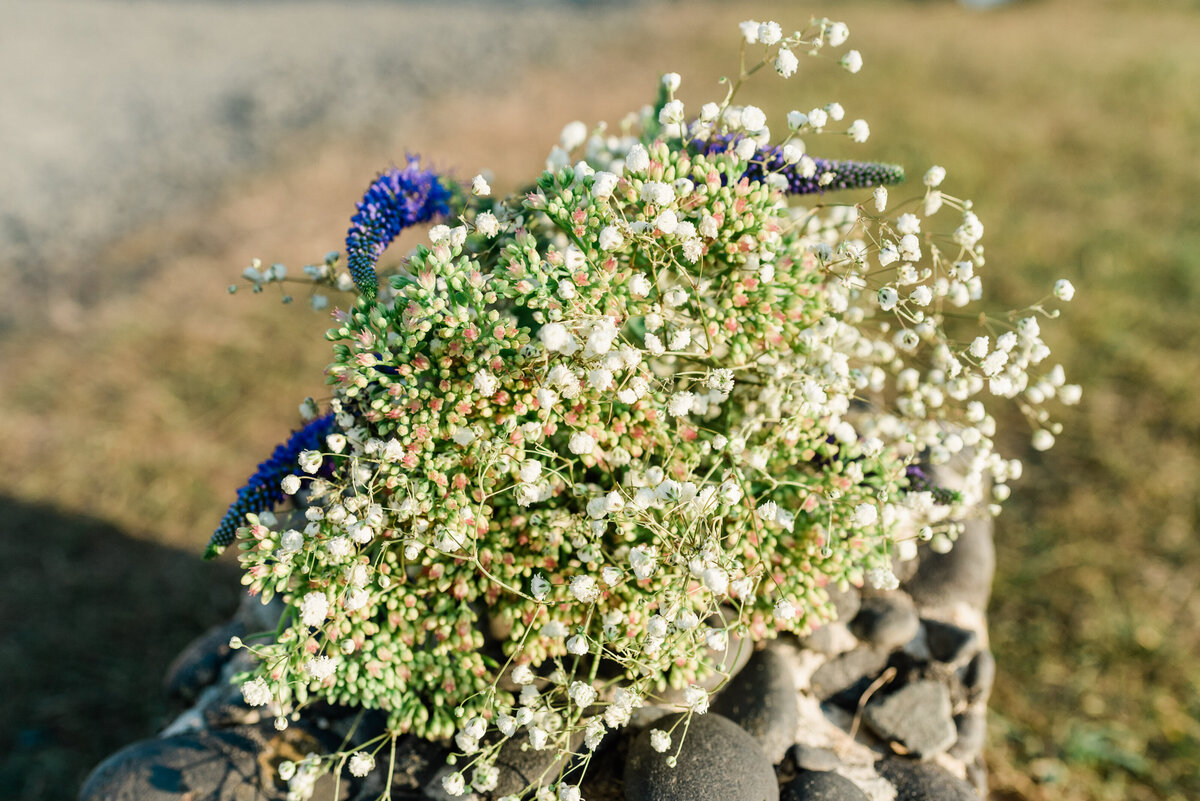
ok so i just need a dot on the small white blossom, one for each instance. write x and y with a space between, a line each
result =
454 784
1043 440
749 30
479 186
256 692
486 383
539 586
660 741
680 404
487 224
610 238
1064 290
582 443
837 34
753 119
638 159
852 62
584 589
361 764
786 63
290 485
696 699
671 80
313 609
769 33
859 130
310 461
573 135
865 514
934 176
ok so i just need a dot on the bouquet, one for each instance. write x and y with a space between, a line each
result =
592 439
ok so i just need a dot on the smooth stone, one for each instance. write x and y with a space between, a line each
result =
886 621
831 639
810 757
923 781
845 602
207 765
199 664
964 574
972 735
949 643
717 761
812 785
917 716
979 676
842 672
762 700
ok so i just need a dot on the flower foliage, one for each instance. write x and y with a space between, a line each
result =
592 439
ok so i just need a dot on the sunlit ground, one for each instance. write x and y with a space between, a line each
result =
128 424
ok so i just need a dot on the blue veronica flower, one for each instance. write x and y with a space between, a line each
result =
397 199
919 481
262 490
846 174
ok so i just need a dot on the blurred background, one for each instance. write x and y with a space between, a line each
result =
150 150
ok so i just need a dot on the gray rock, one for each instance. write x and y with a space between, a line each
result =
843 672
831 639
762 700
923 781
963 574
949 643
717 761
809 757
521 767
979 676
972 735
917 716
812 785
204 766
199 664
886 621
846 602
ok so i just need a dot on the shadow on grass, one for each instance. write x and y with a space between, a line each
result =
89 621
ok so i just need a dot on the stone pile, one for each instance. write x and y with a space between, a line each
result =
888 703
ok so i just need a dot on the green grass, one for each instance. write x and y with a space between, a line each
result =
1074 126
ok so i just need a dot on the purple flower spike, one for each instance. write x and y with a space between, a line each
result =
397 199
846 174
262 491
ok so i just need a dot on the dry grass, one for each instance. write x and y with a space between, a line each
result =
1074 126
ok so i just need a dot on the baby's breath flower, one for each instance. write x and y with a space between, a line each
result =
786 63
361 763
660 741
1063 289
256 692
852 61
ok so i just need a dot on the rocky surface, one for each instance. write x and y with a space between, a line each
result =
888 703
717 761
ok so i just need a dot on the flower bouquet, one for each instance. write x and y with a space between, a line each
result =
593 439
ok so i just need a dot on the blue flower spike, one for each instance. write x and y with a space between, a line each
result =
397 199
846 174
262 491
